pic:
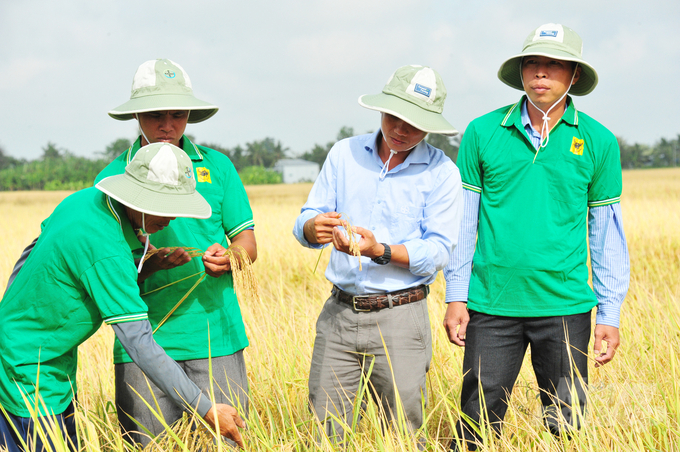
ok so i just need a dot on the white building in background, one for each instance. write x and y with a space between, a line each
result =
297 170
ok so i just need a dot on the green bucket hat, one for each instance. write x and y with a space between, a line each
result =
158 181
163 85
414 94
553 41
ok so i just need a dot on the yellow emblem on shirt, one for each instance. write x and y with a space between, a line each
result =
577 146
203 175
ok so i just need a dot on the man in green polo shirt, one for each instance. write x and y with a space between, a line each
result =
209 322
540 176
81 273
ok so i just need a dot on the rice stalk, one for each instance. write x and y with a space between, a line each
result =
245 281
353 244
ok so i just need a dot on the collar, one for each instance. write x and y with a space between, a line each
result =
117 210
187 146
515 116
418 155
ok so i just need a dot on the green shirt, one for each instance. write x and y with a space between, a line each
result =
530 259
212 306
79 274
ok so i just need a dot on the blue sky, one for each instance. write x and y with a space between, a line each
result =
294 70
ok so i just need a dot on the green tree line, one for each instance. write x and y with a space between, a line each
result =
58 169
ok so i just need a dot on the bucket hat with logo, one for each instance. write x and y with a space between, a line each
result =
159 181
414 94
163 85
552 41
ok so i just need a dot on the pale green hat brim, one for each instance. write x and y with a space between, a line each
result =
509 72
200 110
421 119
155 198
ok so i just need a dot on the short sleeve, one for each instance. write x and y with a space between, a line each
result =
606 185
468 161
237 215
112 284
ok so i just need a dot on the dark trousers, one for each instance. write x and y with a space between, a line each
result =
494 349
25 426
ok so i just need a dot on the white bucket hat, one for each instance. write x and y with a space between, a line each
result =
160 85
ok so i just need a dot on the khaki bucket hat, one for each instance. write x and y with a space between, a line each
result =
553 41
158 181
163 85
414 94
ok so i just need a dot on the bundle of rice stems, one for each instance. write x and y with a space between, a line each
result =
193 252
353 244
245 281
189 435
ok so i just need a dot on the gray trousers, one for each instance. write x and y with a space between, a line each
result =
348 343
230 384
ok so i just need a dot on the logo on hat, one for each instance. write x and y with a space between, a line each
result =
169 74
187 172
424 90
548 34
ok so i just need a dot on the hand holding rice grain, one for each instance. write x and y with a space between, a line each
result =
220 260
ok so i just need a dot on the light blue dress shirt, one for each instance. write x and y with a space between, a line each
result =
608 250
418 204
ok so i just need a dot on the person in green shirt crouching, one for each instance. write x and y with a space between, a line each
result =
80 273
539 178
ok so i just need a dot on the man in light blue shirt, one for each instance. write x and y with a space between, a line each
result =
407 197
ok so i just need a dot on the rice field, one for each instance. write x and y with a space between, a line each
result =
634 401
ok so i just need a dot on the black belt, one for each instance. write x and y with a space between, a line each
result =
377 301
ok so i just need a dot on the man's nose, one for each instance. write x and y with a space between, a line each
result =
541 70
166 123
400 128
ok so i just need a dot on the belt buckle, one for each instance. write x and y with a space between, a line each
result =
354 302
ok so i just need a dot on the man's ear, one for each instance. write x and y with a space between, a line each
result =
577 75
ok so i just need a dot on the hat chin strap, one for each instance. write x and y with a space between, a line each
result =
545 127
384 170
141 130
146 244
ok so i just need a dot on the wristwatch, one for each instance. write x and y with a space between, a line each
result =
385 258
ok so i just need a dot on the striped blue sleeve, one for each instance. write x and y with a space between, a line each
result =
457 272
609 260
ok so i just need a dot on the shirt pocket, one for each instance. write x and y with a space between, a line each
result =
568 181
405 221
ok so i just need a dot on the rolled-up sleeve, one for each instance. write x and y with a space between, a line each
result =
441 222
322 198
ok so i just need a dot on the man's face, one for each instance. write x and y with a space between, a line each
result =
399 135
155 224
152 223
163 126
547 79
